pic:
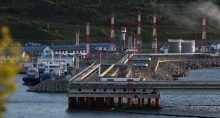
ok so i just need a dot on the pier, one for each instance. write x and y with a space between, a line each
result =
136 81
146 93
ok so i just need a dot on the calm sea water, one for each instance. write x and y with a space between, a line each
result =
44 105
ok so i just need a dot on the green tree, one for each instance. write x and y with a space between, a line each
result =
9 67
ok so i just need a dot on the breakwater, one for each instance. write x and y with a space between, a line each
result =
50 86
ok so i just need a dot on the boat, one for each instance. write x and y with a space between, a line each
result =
45 69
32 76
56 67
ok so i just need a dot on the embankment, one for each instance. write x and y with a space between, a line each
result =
50 86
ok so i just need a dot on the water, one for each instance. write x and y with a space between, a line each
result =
34 105
211 74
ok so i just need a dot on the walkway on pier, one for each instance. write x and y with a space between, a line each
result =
82 76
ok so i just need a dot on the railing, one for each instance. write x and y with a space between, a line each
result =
114 74
151 84
82 78
107 70
166 54
85 72
123 60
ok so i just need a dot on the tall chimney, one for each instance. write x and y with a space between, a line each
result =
129 30
77 52
123 37
112 45
138 40
87 42
203 41
154 35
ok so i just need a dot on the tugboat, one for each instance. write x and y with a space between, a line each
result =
32 77
36 75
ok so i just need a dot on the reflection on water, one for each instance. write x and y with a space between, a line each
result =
34 105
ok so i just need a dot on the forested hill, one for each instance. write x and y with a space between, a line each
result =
47 21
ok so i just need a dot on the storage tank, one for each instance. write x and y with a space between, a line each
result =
174 45
188 46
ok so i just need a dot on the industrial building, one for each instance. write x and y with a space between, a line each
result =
64 50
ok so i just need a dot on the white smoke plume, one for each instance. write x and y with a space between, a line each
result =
190 14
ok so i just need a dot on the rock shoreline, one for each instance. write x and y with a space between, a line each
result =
50 86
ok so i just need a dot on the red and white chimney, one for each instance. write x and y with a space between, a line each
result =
138 39
154 35
129 41
77 52
203 41
87 42
123 37
112 45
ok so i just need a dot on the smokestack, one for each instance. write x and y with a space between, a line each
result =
112 45
130 42
203 41
138 40
154 40
77 52
123 32
87 42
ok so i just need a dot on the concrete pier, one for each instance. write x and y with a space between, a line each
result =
113 88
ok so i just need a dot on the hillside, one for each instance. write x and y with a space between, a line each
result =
55 21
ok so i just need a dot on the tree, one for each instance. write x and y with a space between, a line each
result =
9 67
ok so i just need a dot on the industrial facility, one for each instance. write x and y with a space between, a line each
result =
123 84
134 81
109 58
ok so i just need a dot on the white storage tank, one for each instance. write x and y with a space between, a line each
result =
188 46
174 45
